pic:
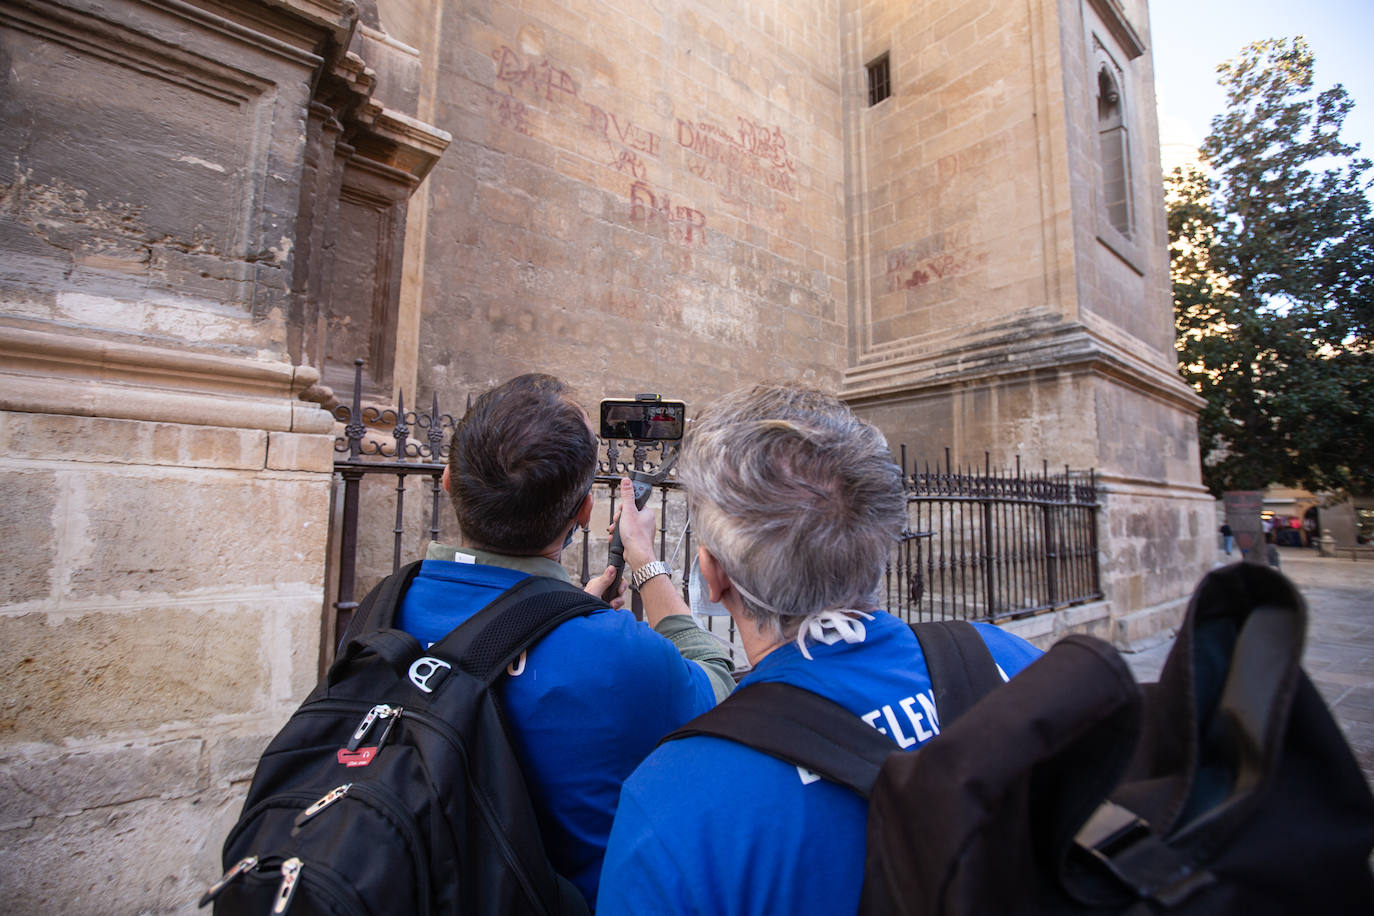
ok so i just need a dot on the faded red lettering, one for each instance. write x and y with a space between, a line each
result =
603 122
906 271
641 202
542 77
629 162
694 219
511 113
646 206
754 153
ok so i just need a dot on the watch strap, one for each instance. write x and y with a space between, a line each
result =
648 571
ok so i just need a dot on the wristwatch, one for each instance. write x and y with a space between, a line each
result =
647 572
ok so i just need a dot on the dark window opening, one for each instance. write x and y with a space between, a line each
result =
879 81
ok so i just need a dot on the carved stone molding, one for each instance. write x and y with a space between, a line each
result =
1114 17
363 161
56 373
1018 348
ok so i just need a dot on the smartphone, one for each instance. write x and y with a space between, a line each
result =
642 418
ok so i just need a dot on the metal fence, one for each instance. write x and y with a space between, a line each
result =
989 544
980 544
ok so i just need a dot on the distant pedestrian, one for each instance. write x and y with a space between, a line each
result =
1227 539
1271 550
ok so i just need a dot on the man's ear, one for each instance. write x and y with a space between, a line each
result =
717 582
447 485
584 512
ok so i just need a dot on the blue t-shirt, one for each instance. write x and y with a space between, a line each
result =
710 826
586 704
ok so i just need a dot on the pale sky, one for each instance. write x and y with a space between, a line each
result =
1191 37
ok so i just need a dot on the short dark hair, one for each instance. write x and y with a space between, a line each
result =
520 462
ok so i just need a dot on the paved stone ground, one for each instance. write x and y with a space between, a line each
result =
1339 656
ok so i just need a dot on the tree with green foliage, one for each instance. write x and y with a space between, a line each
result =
1271 249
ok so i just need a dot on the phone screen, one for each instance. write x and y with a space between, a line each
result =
631 419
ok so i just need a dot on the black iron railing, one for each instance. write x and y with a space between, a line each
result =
988 544
381 442
980 544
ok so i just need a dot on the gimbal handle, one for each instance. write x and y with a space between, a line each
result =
643 484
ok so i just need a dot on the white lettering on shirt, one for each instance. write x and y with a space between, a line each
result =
902 740
925 724
927 701
922 733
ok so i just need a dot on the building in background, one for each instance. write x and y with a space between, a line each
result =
950 213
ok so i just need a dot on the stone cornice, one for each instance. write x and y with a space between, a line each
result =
58 373
418 145
1114 17
382 135
338 16
1020 348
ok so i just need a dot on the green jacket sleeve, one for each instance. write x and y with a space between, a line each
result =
700 647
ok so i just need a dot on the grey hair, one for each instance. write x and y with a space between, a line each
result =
797 498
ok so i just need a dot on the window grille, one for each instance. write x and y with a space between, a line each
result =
879 81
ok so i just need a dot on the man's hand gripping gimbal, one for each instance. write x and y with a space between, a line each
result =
646 418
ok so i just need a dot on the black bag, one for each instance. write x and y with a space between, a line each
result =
394 787
1227 787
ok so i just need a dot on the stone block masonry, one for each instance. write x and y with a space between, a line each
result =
159 619
166 487
634 197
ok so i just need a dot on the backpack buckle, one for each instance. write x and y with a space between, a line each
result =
1123 842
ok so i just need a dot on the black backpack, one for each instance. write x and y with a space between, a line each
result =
1224 788
394 787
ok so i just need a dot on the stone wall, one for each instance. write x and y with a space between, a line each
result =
159 619
1008 295
638 197
181 186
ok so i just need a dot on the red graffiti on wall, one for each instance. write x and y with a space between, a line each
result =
628 142
511 112
906 271
541 78
646 206
627 161
752 153
767 145
612 128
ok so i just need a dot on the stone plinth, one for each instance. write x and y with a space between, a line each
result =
159 610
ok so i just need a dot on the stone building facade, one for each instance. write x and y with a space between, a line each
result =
209 209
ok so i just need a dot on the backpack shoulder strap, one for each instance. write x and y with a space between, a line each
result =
808 730
961 667
488 641
800 727
378 610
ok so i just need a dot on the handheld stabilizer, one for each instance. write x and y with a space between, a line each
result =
643 484
646 417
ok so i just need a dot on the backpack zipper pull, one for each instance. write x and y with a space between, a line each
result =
242 865
290 875
391 715
381 710
328 799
